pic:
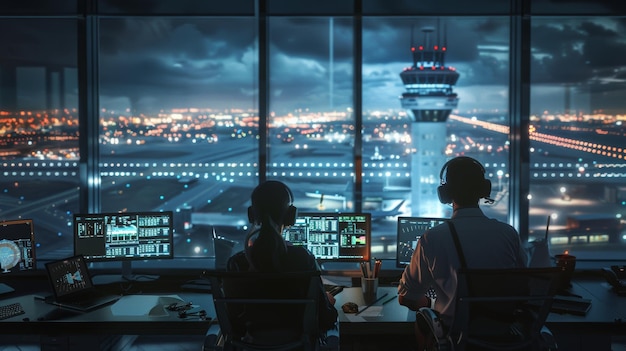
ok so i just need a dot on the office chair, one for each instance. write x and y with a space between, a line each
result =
264 311
504 309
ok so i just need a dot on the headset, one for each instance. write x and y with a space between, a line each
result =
446 193
289 215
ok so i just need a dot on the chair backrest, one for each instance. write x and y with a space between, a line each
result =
503 309
267 311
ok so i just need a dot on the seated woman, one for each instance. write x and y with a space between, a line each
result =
266 251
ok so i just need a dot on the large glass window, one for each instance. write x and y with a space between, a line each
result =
578 153
433 89
179 127
312 124
179 123
39 129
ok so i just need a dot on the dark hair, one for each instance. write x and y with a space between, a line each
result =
271 204
465 181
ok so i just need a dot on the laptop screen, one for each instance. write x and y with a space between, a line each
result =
332 236
69 276
410 229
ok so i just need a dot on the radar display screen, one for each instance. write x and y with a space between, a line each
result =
17 246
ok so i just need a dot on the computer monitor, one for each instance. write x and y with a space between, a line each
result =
126 237
410 229
333 236
17 248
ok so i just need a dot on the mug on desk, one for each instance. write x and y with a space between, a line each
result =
370 289
567 263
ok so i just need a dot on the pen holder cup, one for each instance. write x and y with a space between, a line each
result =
370 289
567 263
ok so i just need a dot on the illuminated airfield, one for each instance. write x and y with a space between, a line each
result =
324 165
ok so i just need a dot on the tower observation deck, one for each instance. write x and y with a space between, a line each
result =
429 96
428 100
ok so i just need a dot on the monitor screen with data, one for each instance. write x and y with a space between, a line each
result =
124 236
17 246
332 236
410 229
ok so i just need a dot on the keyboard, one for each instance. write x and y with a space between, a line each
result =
11 310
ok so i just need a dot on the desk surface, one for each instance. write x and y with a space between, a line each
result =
608 311
392 318
125 317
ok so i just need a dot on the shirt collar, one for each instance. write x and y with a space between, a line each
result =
468 212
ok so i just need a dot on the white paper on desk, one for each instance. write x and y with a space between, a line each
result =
371 312
144 305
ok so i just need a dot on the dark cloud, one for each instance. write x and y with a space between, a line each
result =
309 37
174 60
575 51
38 42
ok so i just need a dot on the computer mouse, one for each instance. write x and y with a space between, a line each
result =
350 307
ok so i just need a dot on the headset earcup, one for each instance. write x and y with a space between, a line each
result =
290 215
487 188
252 216
444 194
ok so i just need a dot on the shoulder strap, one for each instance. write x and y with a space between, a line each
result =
457 243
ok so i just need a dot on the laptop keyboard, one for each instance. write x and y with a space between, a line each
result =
11 310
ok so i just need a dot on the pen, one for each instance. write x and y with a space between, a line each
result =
389 299
371 304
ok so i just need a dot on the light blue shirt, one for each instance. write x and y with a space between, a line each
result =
486 243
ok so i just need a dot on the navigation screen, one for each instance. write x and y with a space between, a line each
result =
332 236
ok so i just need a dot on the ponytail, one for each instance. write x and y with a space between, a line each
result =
268 250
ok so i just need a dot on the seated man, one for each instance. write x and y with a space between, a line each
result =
485 242
266 251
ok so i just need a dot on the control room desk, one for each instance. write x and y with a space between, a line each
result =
606 318
87 328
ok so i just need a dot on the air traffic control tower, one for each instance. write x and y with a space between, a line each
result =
428 100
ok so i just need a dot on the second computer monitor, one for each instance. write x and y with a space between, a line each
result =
410 229
333 236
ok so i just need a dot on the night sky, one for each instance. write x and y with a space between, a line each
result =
149 64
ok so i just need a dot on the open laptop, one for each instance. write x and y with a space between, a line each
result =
73 287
